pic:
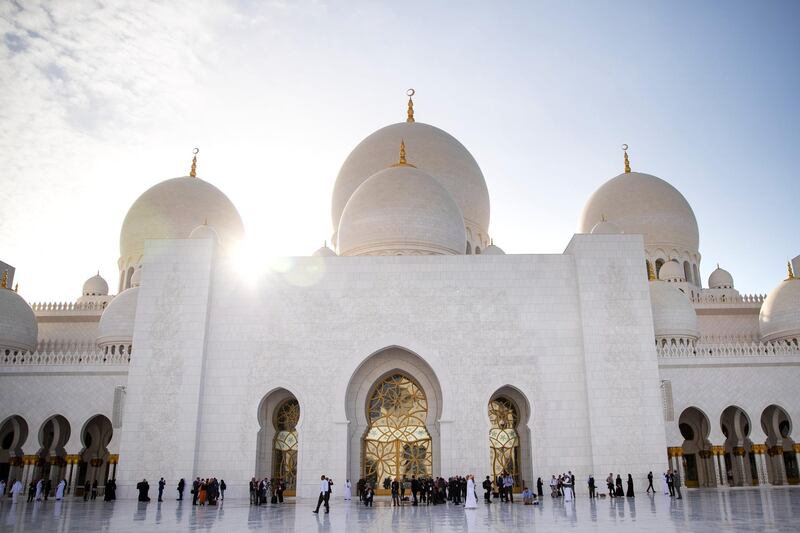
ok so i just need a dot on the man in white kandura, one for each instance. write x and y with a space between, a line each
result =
60 489
472 501
16 488
39 487
348 490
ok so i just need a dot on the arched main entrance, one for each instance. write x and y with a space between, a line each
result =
278 439
397 444
782 467
13 434
393 405
509 436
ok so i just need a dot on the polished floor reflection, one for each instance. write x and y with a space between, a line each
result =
772 509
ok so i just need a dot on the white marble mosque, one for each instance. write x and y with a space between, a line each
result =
413 345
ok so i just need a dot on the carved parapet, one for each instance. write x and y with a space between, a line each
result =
16 461
739 451
718 450
73 459
31 459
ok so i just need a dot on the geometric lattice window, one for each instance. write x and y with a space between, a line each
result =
397 443
503 437
284 445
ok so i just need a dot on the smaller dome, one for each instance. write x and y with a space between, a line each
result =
401 211
779 318
720 279
116 322
18 327
673 314
136 277
324 252
604 227
95 286
204 231
671 271
492 249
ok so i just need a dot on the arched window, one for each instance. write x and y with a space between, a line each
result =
687 273
284 444
503 437
477 250
469 248
397 443
659 264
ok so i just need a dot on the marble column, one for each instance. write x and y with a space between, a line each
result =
73 472
761 465
719 457
796 448
113 459
775 456
710 464
740 471
29 469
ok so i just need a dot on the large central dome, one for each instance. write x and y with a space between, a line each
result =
171 210
436 153
647 205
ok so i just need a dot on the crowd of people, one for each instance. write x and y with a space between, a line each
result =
40 489
272 487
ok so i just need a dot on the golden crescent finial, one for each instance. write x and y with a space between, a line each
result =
193 172
410 113
627 161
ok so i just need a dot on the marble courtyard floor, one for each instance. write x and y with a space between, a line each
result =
769 509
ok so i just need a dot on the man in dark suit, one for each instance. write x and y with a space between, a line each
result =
414 489
195 490
181 486
161 485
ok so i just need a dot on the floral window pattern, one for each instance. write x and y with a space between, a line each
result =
284 445
503 437
397 443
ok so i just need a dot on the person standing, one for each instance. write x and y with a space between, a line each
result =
161 485
414 489
324 489
650 482
348 490
567 488
664 485
16 489
539 491
591 486
2 488
48 486
676 482
111 490
94 489
508 483
39 490
610 484
629 492
60 489
195 490
572 480
143 487
369 494
471 502
671 483
181 486
395 487
619 492
222 487
487 490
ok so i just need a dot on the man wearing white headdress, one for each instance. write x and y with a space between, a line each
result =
567 487
39 487
16 488
472 500
60 489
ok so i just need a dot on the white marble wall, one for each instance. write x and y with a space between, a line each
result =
165 385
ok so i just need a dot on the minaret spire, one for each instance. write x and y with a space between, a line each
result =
788 268
410 114
4 280
193 172
402 162
627 161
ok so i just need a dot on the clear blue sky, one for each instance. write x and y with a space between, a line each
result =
98 104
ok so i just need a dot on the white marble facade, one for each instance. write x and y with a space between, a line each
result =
609 371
